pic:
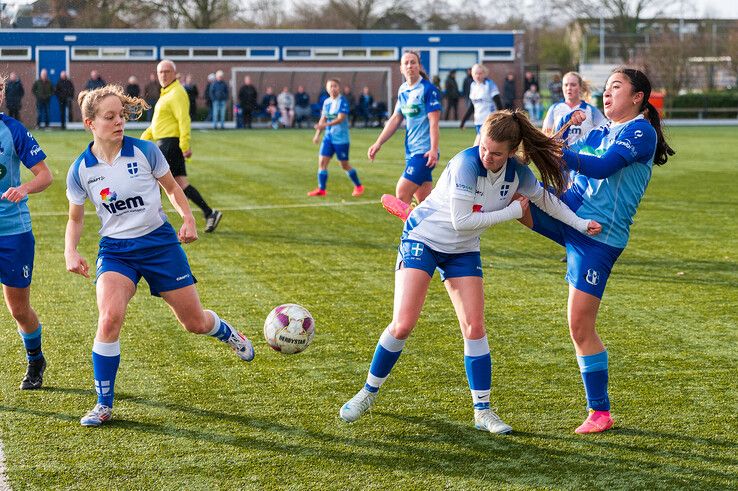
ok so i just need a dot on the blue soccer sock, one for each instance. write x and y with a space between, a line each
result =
594 376
478 364
105 362
354 176
389 349
32 343
322 179
221 329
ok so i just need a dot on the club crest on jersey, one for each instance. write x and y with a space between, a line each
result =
132 168
504 189
593 277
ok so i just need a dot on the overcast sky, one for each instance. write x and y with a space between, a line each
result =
715 8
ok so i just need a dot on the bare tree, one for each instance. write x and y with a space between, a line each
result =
198 14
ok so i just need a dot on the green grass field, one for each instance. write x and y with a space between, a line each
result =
190 415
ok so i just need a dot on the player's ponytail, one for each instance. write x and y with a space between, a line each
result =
515 128
640 83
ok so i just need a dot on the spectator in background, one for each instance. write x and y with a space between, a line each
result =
247 98
466 87
219 97
452 95
555 87
269 104
529 80
322 96
95 81
208 100
192 94
509 91
64 92
302 106
151 94
364 107
14 93
42 90
132 87
286 104
349 96
532 103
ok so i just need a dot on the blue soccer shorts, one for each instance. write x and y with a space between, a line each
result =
164 268
417 255
16 259
328 148
588 262
417 171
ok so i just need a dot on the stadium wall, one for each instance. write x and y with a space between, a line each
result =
118 54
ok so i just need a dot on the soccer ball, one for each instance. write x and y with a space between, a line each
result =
289 328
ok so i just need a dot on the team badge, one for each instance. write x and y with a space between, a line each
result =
133 168
504 189
416 249
593 277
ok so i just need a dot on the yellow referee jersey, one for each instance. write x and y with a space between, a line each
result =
171 116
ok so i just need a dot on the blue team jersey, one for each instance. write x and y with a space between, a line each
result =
16 145
613 201
338 134
414 103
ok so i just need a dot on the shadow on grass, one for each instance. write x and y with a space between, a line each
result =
436 447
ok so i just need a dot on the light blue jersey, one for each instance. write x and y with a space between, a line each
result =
613 201
16 145
415 103
337 134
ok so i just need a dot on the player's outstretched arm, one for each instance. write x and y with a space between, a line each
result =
41 180
435 136
74 261
188 231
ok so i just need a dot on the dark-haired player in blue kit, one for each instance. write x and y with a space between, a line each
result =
419 104
612 166
122 177
334 120
16 237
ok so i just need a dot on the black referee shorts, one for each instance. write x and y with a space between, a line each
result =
170 148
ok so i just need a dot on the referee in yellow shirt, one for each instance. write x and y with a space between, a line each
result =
170 129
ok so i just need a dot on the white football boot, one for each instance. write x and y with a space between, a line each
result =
487 420
357 405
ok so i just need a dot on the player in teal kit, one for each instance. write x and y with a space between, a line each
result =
611 167
334 120
419 105
17 146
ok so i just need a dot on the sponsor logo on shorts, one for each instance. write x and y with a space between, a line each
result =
593 277
180 278
409 170
26 271
416 249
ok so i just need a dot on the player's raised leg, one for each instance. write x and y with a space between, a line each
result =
185 303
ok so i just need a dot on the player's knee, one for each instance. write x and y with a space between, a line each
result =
580 332
22 313
400 329
199 324
473 330
109 323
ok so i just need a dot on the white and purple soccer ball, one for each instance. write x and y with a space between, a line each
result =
289 328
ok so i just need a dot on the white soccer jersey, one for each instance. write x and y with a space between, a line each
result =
466 178
125 192
482 96
558 111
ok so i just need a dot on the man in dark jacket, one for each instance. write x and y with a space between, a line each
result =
452 95
13 95
247 98
64 94
151 94
95 81
42 90
466 87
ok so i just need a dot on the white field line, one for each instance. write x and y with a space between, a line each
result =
4 483
235 208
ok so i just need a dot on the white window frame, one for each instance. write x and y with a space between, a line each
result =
27 56
99 56
484 58
340 56
220 56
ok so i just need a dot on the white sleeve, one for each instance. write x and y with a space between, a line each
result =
76 194
553 206
463 178
463 218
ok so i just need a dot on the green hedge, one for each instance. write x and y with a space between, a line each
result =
725 99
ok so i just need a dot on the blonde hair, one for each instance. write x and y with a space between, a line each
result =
485 70
89 101
585 91
515 128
